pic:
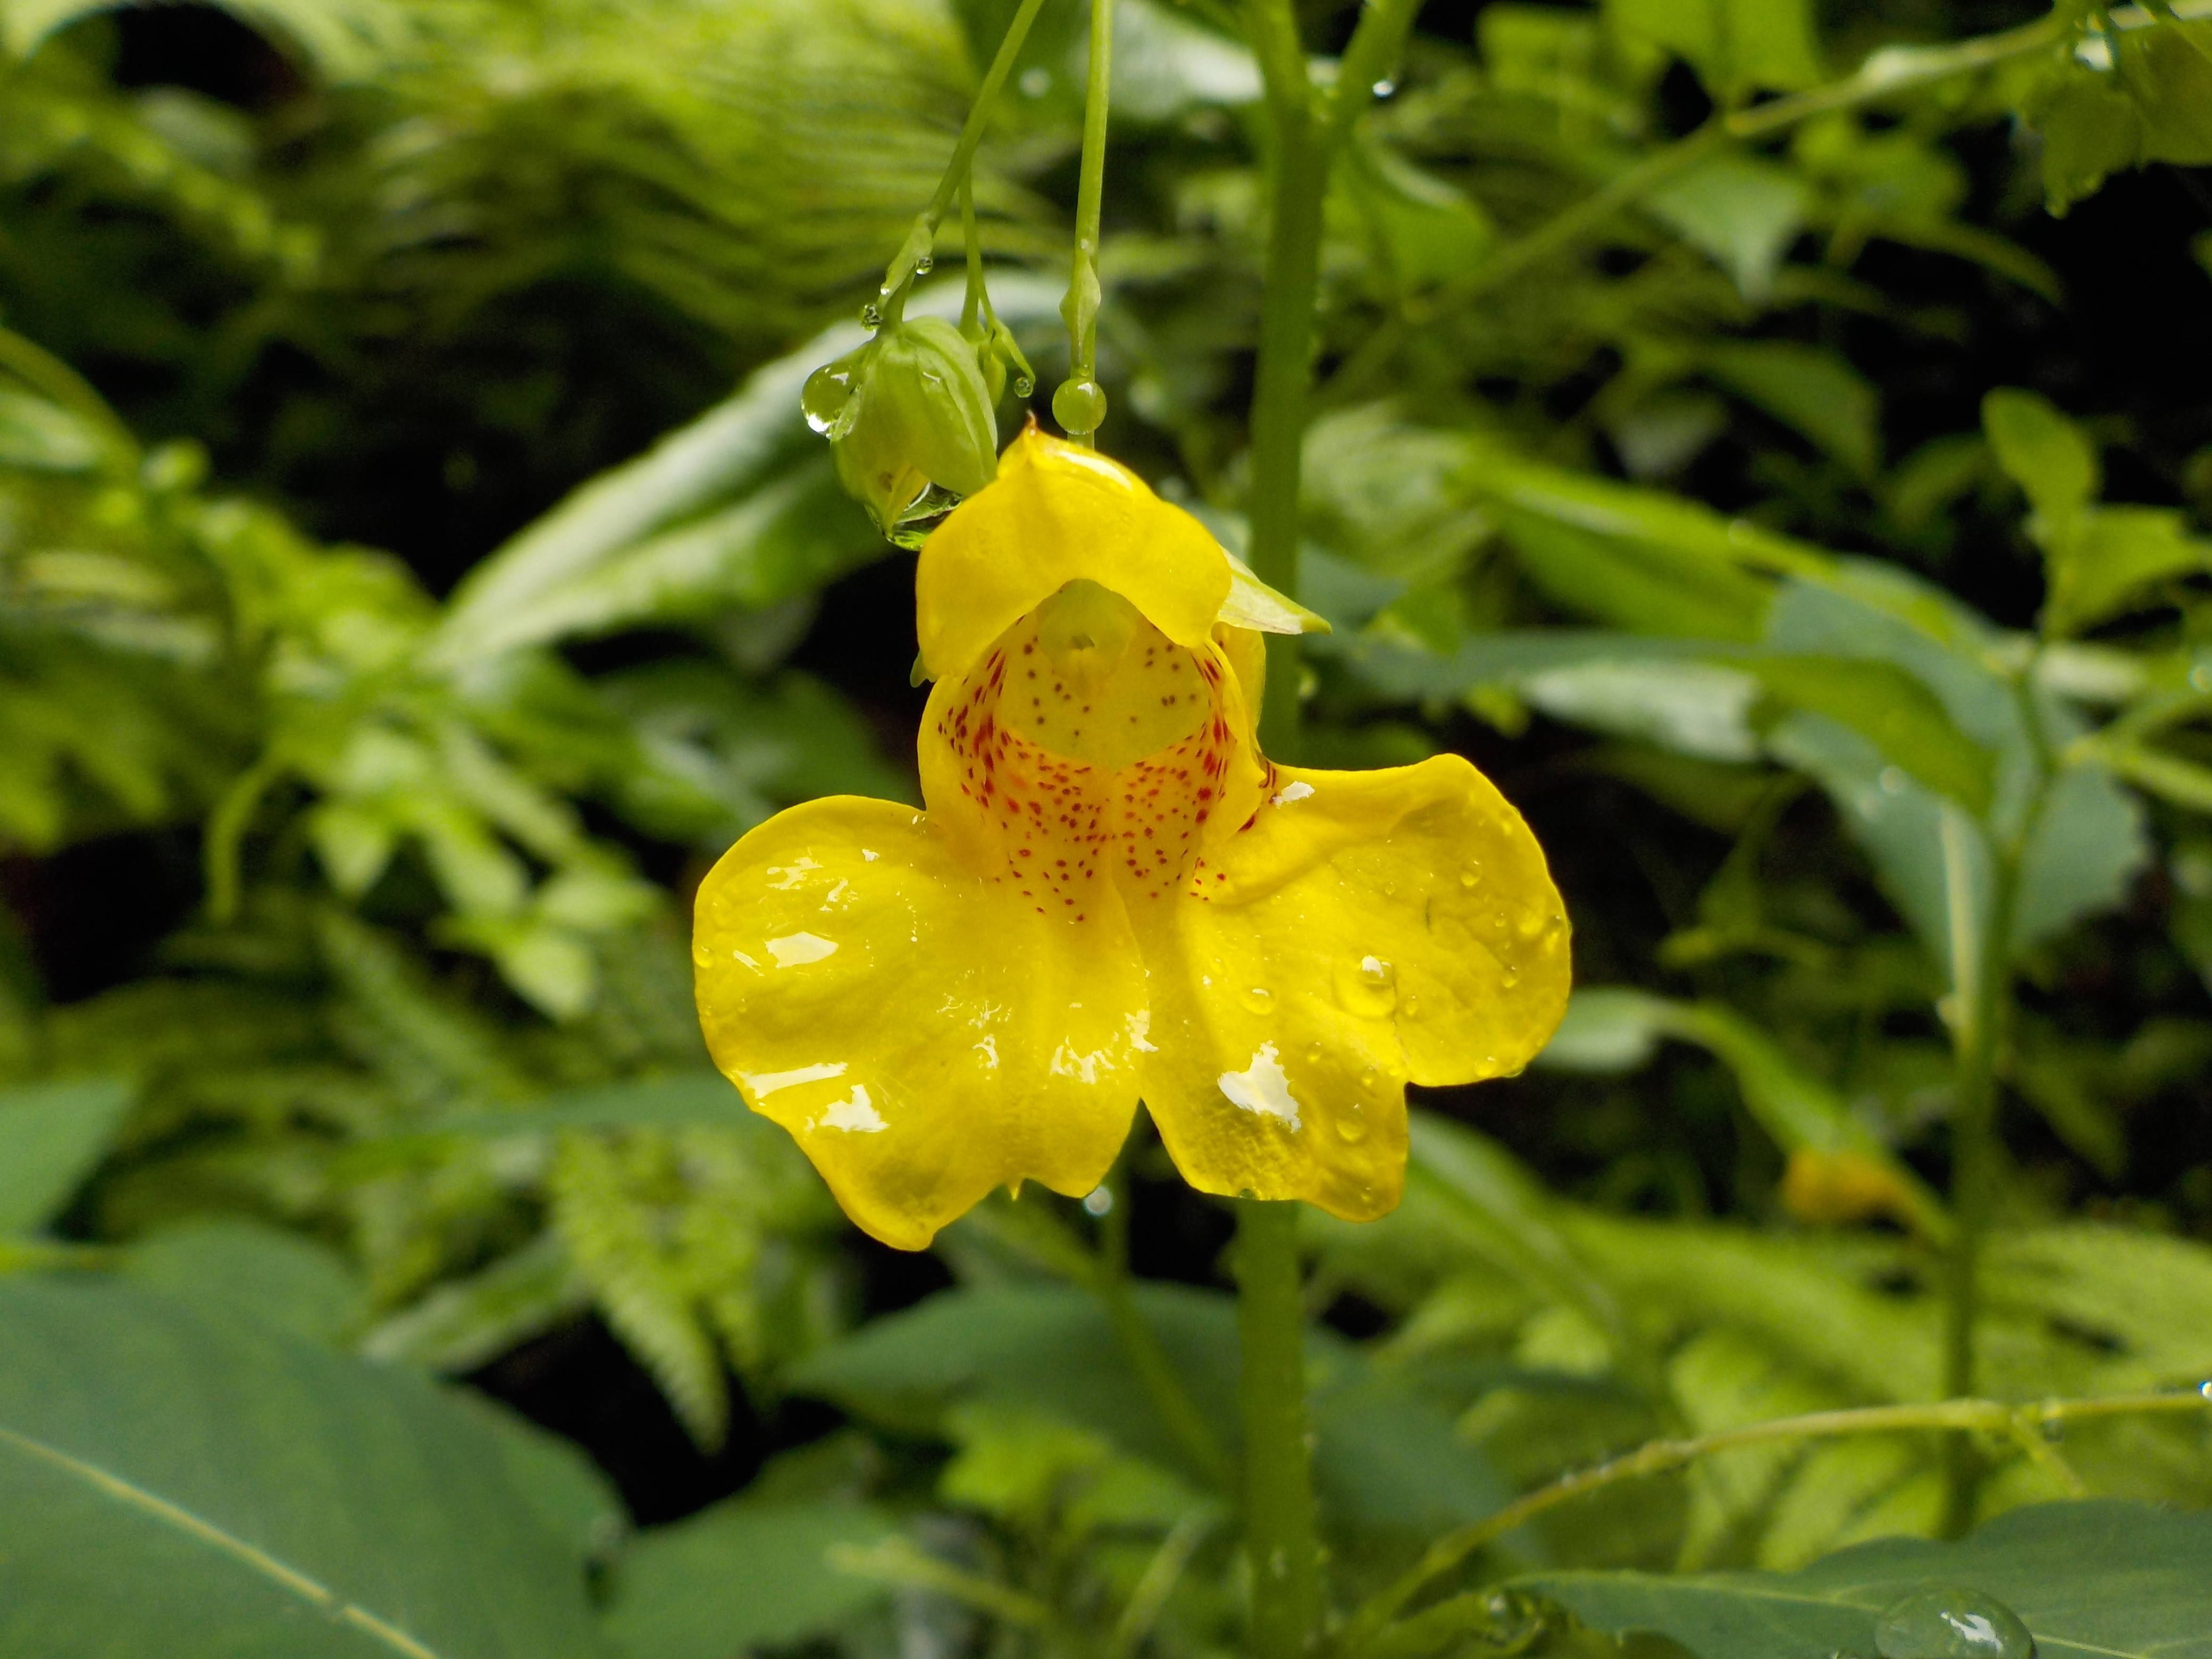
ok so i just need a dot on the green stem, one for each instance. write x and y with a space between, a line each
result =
1281 1538
1979 983
921 239
1298 189
1080 309
1185 1423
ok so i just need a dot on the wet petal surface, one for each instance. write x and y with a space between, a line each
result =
922 1030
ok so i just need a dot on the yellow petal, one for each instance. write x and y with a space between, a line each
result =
1058 514
1366 929
923 1033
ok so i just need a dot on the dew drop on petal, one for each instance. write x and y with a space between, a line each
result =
701 954
1350 1127
1470 874
1258 999
1952 1624
1367 987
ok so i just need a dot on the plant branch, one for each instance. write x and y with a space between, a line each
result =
1996 1417
921 239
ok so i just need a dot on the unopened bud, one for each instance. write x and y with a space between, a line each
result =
910 409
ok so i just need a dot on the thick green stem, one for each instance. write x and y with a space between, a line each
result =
1281 1535
921 239
1297 187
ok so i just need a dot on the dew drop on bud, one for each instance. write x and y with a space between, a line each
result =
1952 1624
824 396
1023 386
872 315
924 264
1079 406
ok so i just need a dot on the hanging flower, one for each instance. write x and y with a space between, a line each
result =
1114 896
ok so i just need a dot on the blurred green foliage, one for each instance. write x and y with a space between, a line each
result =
414 566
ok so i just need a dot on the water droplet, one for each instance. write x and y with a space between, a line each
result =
1079 406
1534 923
1367 1079
1350 1129
1258 999
1098 1201
1368 988
1385 89
1023 386
827 390
1470 874
1410 1005
701 955
924 264
1036 81
1952 1624
872 315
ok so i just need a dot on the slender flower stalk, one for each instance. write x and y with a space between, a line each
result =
1079 405
914 253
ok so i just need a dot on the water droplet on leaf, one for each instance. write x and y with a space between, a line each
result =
924 264
1385 89
872 315
1952 1624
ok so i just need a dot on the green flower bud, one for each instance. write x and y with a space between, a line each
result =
909 411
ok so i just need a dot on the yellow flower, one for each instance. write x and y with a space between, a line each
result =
1114 896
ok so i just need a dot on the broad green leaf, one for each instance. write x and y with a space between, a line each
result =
2098 1580
1815 391
2047 455
746 1573
188 1482
51 1134
1735 45
251 1268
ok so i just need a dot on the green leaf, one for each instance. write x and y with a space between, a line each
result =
1815 391
1895 711
51 1134
187 1482
1387 1457
1735 45
2102 1580
1743 210
1610 1029
746 1573
252 1269
2102 561
2047 455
